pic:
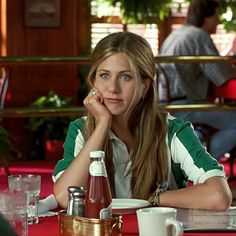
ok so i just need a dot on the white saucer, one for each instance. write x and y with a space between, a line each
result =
122 206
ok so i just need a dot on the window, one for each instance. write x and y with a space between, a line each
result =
100 30
223 40
106 24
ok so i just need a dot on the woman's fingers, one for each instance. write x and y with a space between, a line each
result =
92 93
94 103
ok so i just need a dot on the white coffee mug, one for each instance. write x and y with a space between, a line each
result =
159 221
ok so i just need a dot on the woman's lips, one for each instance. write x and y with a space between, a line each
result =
113 100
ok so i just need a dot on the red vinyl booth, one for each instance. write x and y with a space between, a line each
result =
227 90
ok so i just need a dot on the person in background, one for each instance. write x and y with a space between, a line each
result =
190 83
149 154
5 227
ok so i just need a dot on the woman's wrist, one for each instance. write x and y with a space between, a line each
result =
155 197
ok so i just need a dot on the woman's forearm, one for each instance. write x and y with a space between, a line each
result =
77 172
214 194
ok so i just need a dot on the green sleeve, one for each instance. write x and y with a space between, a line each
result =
73 143
190 160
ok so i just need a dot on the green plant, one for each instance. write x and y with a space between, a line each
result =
228 13
8 151
51 127
134 11
47 128
153 11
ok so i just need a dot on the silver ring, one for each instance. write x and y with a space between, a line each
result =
92 93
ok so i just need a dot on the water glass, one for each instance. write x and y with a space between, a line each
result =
13 207
30 184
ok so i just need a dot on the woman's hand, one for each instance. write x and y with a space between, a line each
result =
71 176
94 103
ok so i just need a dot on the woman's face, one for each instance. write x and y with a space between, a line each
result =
120 90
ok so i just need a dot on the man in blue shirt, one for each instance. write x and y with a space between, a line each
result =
190 82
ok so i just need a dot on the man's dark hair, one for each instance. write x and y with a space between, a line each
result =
5 228
199 10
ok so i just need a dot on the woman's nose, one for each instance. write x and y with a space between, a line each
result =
114 86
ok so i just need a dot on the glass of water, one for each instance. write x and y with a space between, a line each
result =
30 184
13 208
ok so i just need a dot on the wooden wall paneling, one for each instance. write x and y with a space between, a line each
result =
30 41
84 25
27 82
32 81
2 27
1 23
42 41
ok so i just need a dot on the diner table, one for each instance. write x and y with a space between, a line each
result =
49 226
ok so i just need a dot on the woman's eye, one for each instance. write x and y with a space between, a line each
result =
125 77
104 76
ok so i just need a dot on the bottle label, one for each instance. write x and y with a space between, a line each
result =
97 169
106 213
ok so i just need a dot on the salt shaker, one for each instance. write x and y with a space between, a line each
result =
76 201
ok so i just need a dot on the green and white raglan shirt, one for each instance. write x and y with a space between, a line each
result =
188 159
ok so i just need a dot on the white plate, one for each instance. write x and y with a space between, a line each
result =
122 206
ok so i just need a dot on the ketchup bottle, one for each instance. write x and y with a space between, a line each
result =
98 196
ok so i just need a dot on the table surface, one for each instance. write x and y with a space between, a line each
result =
49 226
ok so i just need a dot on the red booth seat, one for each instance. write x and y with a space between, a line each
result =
227 90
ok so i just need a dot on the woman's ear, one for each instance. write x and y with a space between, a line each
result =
147 84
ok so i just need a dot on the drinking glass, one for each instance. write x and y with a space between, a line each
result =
13 207
30 184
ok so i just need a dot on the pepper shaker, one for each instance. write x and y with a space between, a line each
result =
76 201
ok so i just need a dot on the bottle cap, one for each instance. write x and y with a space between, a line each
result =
97 154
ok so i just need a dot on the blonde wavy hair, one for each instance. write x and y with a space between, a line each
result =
147 123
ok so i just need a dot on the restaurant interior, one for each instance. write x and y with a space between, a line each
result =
45 48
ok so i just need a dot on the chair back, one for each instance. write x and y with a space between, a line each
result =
226 91
162 85
4 82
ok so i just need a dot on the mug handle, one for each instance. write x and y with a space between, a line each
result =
176 224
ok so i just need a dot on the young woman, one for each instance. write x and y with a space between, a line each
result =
149 154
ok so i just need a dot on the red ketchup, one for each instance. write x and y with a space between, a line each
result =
98 195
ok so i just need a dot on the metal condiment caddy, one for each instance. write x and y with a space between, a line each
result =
81 226
73 223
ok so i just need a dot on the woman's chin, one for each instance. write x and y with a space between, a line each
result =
116 112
